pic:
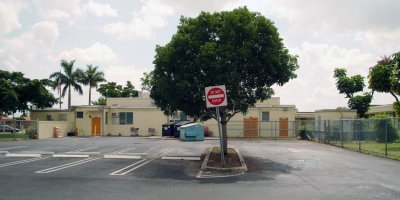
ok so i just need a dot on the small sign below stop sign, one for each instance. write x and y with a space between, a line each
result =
216 96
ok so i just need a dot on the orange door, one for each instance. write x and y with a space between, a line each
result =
283 127
96 126
250 127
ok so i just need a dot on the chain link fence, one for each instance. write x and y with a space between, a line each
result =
260 129
374 136
18 129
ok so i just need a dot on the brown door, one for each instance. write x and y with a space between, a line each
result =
250 127
96 126
283 127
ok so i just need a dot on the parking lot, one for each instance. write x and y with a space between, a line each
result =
143 168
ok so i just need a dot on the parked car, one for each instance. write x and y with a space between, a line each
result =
7 128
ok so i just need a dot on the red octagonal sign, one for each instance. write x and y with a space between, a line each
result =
216 96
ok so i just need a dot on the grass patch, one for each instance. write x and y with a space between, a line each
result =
231 160
372 147
10 137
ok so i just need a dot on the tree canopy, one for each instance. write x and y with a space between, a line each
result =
239 49
385 77
350 86
112 89
71 78
18 93
92 77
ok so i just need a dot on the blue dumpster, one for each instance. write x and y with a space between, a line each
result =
177 128
192 132
168 129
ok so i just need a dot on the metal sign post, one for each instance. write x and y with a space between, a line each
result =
216 97
221 137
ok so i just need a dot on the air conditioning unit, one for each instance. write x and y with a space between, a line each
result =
114 115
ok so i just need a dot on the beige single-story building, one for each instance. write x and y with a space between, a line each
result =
139 116
381 109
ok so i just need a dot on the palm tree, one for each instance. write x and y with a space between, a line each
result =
92 77
70 78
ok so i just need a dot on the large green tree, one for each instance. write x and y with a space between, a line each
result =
239 49
18 93
385 77
71 78
112 89
350 86
92 78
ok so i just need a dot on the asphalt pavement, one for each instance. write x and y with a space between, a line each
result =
143 168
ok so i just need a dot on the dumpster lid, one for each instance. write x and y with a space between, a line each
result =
191 124
169 123
182 123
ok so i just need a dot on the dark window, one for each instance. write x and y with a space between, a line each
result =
125 118
79 114
265 116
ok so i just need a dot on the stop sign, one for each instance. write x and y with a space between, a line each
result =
216 96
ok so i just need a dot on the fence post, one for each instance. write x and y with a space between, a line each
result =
275 130
341 132
14 126
359 136
386 137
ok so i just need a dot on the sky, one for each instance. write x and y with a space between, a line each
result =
120 37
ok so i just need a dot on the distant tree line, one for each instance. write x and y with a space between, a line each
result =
18 93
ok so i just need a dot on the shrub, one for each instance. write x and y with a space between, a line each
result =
31 133
384 126
304 133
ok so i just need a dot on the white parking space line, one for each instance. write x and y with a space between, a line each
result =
180 158
130 168
18 147
132 154
121 151
83 153
69 156
122 156
21 161
162 152
140 163
24 155
57 168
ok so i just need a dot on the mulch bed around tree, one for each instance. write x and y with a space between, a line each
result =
231 160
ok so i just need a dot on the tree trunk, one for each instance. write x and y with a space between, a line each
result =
225 136
224 130
397 100
90 94
69 97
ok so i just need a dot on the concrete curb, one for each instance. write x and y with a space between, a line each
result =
242 168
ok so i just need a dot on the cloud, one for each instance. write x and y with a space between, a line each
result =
9 15
60 10
101 10
97 54
38 41
194 7
384 41
329 17
315 88
122 73
143 23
